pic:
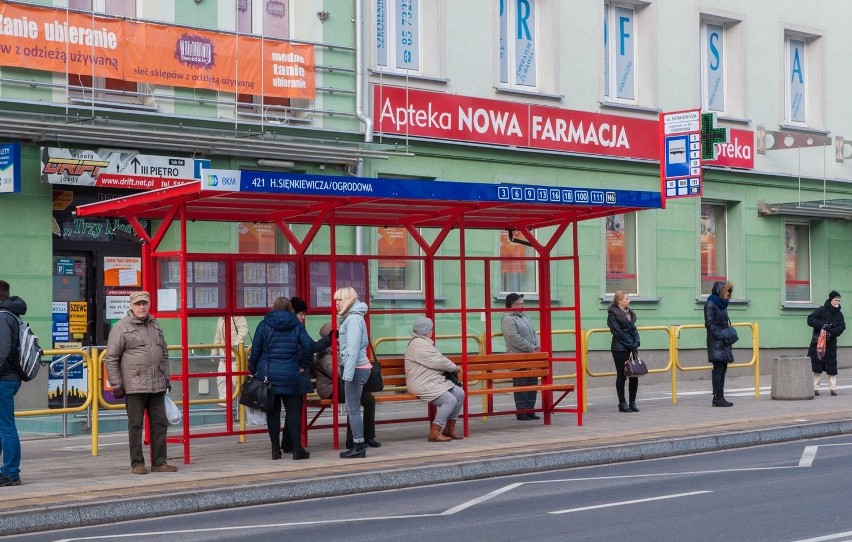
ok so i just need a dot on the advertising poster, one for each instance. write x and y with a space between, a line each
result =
256 238
122 271
616 245
78 318
392 242
508 249
708 243
791 253
77 383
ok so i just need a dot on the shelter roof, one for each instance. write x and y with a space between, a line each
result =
257 196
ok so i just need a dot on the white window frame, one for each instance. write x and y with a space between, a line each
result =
391 29
507 76
258 8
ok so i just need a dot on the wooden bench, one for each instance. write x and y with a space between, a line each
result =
494 372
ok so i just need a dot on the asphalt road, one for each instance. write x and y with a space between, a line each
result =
793 492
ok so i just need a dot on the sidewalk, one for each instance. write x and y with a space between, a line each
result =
70 488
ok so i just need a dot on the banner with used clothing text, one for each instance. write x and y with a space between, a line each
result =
57 40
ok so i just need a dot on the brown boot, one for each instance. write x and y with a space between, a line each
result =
435 434
450 430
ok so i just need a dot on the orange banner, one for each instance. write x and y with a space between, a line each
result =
57 40
508 249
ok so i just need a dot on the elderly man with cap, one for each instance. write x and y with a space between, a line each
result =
138 369
520 336
424 377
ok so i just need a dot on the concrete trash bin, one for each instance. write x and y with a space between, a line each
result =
792 378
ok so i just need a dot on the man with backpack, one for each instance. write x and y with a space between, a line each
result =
10 383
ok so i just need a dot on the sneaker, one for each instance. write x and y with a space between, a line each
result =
140 469
165 467
834 392
6 481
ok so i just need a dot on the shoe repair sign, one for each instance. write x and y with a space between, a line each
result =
114 168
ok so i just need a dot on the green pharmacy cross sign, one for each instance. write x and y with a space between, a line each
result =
710 135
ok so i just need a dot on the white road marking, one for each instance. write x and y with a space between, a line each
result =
635 501
481 499
810 453
837 536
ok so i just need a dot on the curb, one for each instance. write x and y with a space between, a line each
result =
69 516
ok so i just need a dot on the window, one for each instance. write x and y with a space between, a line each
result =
518 37
713 62
621 253
396 271
797 262
713 245
796 83
620 52
81 85
517 275
268 18
398 35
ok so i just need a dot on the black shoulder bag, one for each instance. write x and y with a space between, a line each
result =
258 394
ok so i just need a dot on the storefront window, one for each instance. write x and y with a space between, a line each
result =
714 265
797 250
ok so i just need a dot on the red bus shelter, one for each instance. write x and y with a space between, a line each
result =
440 216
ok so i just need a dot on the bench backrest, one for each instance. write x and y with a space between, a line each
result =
479 367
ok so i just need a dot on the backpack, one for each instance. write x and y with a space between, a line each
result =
29 350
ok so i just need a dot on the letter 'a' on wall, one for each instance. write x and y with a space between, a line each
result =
796 81
713 54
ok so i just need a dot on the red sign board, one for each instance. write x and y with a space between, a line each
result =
738 152
435 115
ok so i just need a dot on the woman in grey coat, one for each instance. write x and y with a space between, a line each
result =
424 377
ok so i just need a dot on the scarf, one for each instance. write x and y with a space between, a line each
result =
721 303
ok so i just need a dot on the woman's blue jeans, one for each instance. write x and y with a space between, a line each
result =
353 389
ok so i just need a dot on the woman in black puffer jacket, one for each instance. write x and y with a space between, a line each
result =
282 349
829 318
625 339
720 337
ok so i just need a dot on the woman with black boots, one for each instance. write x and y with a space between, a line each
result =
829 318
354 366
281 350
721 335
625 339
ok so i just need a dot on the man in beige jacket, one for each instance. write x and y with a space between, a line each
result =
137 363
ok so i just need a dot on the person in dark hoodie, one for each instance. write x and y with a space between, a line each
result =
281 350
10 308
721 335
829 318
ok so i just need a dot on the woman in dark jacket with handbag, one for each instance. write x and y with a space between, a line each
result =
281 350
720 337
829 318
625 339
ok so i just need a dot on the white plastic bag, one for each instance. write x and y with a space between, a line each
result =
173 413
255 416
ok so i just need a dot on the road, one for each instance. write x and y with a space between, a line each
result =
793 492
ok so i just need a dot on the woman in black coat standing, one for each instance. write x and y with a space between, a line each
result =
720 337
281 350
829 318
625 339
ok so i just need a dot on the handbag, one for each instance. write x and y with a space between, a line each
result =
820 344
453 377
635 367
256 393
375 382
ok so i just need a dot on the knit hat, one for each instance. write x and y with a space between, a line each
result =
422 326
832 294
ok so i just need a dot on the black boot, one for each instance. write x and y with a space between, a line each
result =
359 450
719 400
301 453
633 406
276 450
622 406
